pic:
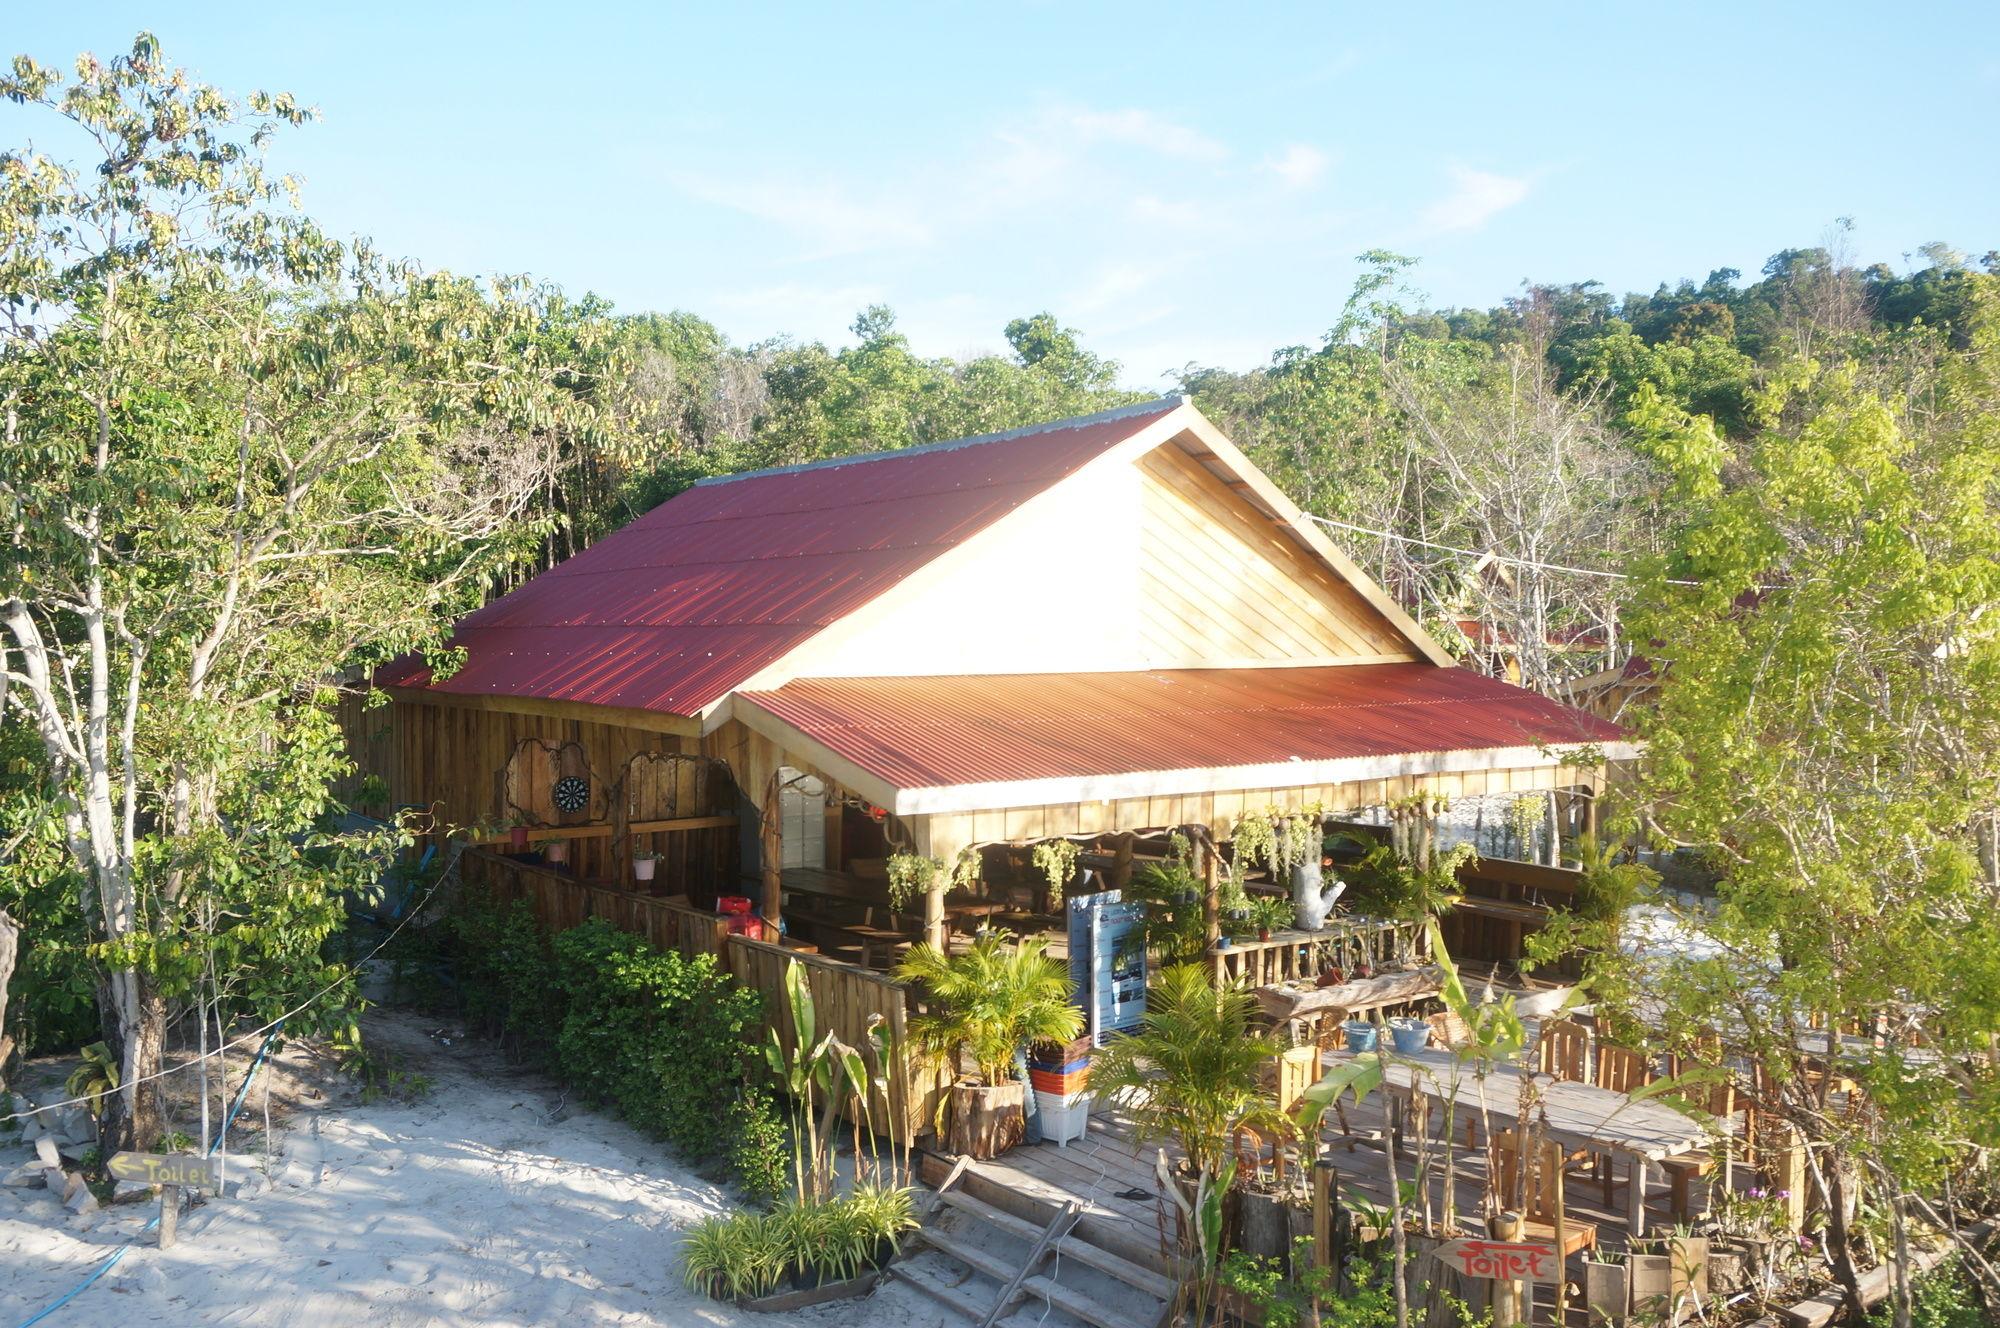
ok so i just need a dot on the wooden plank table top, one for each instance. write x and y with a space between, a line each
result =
1577 1116
1291 1000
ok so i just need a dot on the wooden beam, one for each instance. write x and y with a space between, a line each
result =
603 831
651 721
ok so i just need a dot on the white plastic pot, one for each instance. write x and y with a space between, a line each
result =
642 868
1063 1119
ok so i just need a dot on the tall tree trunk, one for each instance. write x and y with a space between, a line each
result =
133 1017
10 940
1839 1239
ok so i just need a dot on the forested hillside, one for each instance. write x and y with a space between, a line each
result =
1539 430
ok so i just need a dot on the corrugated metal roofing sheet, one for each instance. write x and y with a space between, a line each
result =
678 608
934 732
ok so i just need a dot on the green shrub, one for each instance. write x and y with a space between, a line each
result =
666 1039
758 1156
504 971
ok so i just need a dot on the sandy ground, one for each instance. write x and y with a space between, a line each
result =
488 1199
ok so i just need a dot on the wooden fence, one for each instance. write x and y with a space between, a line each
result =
561 901
1290 955
847 999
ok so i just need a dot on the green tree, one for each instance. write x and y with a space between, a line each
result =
239 455
1829 725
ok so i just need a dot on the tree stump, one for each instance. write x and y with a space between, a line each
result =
987 1120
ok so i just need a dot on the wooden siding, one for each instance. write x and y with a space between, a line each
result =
1221 581
471 766
1153 564
943 835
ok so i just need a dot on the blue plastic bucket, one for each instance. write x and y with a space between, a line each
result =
1361 1035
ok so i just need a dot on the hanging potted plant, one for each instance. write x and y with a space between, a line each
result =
644 862
986 1005
1056 860
517 836
555 852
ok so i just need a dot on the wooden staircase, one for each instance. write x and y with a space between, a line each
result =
1052 1234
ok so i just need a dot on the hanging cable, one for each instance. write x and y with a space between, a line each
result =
1483 553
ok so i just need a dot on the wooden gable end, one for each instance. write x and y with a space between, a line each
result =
1221 582
1157 556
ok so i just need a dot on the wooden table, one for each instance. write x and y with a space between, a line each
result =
1288 1001
1577 1116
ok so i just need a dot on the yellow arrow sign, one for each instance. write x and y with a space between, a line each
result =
166 1169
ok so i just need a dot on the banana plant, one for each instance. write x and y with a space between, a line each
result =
813 1072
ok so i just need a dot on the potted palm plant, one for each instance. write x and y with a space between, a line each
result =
984 1006
1193 1071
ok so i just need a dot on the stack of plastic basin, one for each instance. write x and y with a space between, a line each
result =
1060 1077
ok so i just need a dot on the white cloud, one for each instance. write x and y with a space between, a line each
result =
1134 128
1476 198
1299 165
825 214
813 313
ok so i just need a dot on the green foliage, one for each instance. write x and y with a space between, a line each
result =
1384 885
94 1078
1942 1298
757 1145
665 1038
990 1002
1272 912
504 969
829 1240
1193 1068
1056 860
1175 929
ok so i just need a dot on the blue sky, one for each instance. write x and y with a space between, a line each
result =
1183 183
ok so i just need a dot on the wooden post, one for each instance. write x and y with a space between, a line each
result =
1121 861
170 1212
934 911
1507 1307
1211 884
773 838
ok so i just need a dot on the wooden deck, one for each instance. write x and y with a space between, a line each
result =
1114 1174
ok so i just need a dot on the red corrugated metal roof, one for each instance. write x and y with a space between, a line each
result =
675 610
934 732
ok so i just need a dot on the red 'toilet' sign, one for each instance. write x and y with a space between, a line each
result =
1503 1260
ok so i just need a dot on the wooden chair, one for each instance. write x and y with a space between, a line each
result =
1618 1070
1563 1051
1540 1203
1682 1168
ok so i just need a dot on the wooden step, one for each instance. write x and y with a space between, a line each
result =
1071 1246
997 1267
987 1213
1071 1301
1104 1261
958 1299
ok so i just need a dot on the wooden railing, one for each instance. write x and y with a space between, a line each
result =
561 901
847 999
1346 944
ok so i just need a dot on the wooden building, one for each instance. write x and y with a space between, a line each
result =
1103 625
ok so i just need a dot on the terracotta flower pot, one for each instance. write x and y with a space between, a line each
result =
987 1119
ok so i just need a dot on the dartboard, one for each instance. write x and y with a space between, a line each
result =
571 793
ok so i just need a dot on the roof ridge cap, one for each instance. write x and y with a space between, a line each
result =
1155 405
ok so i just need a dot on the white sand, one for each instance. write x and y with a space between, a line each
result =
481 1202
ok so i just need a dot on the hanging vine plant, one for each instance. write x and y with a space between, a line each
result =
910 875
1056 860
1279 840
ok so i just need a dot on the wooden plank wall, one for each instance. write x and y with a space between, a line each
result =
456 761
562 901
1218 580
369 736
